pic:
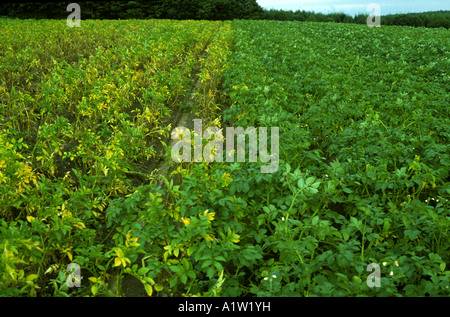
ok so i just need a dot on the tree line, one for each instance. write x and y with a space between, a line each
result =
426 19
204 10
138 9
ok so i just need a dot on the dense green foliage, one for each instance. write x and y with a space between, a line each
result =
364 159
364 119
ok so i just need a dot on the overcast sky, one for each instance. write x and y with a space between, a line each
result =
352 7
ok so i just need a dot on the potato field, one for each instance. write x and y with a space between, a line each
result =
92 203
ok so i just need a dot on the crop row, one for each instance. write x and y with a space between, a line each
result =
83 113
364 156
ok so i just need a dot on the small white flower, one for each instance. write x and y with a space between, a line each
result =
266 278
274 276
282 218
384 263
392 273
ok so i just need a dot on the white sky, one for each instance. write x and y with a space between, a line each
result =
352 7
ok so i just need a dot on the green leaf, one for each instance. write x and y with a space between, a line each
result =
218 266
347 190
210 272
191 274
315 185
386 225
315 220
143 270
183 278
206 263
310 181
363 208
245 187
412 233
220 258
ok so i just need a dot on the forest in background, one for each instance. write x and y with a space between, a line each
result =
205 10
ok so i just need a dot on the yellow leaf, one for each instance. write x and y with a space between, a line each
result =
149 280
119 252
190 251
186 221
93 279
30 218
234 238
31 277
79 225
208 237
94 289
148 289
117 262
